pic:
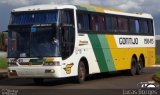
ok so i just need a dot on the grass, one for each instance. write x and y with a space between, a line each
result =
158 59
156 77
3 63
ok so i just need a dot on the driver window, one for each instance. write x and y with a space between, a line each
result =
68 33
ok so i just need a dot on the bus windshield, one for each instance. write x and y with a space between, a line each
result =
25 44
23 18
33 34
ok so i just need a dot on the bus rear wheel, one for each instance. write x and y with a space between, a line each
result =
133 67
139 67
81 72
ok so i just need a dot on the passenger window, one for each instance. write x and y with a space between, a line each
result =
80 21
114 24
83 22
108 22
145 26
94 23
123 25
132 25
137 26
101 23
150 26
86 22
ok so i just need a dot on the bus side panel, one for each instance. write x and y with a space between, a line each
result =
122 55
102 52
86 50
150 57
83 49
111 57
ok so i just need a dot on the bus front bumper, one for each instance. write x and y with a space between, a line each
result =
35 72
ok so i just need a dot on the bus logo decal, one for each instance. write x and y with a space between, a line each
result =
124 41
82 43
68 68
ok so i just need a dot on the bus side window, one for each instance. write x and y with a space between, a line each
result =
150 22
86 22
101 23
108 23
80 21
123 25
144 27
94 23
137 26
114 24
132 26
83 22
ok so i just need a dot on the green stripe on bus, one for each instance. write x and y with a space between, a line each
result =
91 9
81 8
98 52
85 9
106 52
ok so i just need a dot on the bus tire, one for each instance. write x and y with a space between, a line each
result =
139 68
81 72
38 81
132 71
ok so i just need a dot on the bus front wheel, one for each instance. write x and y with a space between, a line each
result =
81 72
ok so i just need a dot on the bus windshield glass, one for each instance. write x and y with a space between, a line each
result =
23 18
25 44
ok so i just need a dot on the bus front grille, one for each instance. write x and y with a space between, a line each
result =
31 63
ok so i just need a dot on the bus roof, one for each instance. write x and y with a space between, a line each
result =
83 8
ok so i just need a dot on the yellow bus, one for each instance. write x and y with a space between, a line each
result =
58 41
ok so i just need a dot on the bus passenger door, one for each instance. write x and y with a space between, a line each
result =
67 33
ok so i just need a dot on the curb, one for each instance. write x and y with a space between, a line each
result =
158 65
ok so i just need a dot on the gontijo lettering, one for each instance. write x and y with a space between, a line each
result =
128 41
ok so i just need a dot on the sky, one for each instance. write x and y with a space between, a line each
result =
140 6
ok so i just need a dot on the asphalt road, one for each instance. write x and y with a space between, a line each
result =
96 82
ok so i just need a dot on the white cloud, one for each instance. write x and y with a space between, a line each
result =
150 6
15 2
129 5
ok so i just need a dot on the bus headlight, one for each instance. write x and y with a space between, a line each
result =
52 64
12 64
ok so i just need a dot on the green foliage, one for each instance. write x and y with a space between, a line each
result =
3 41
156 77
158 59
3 63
